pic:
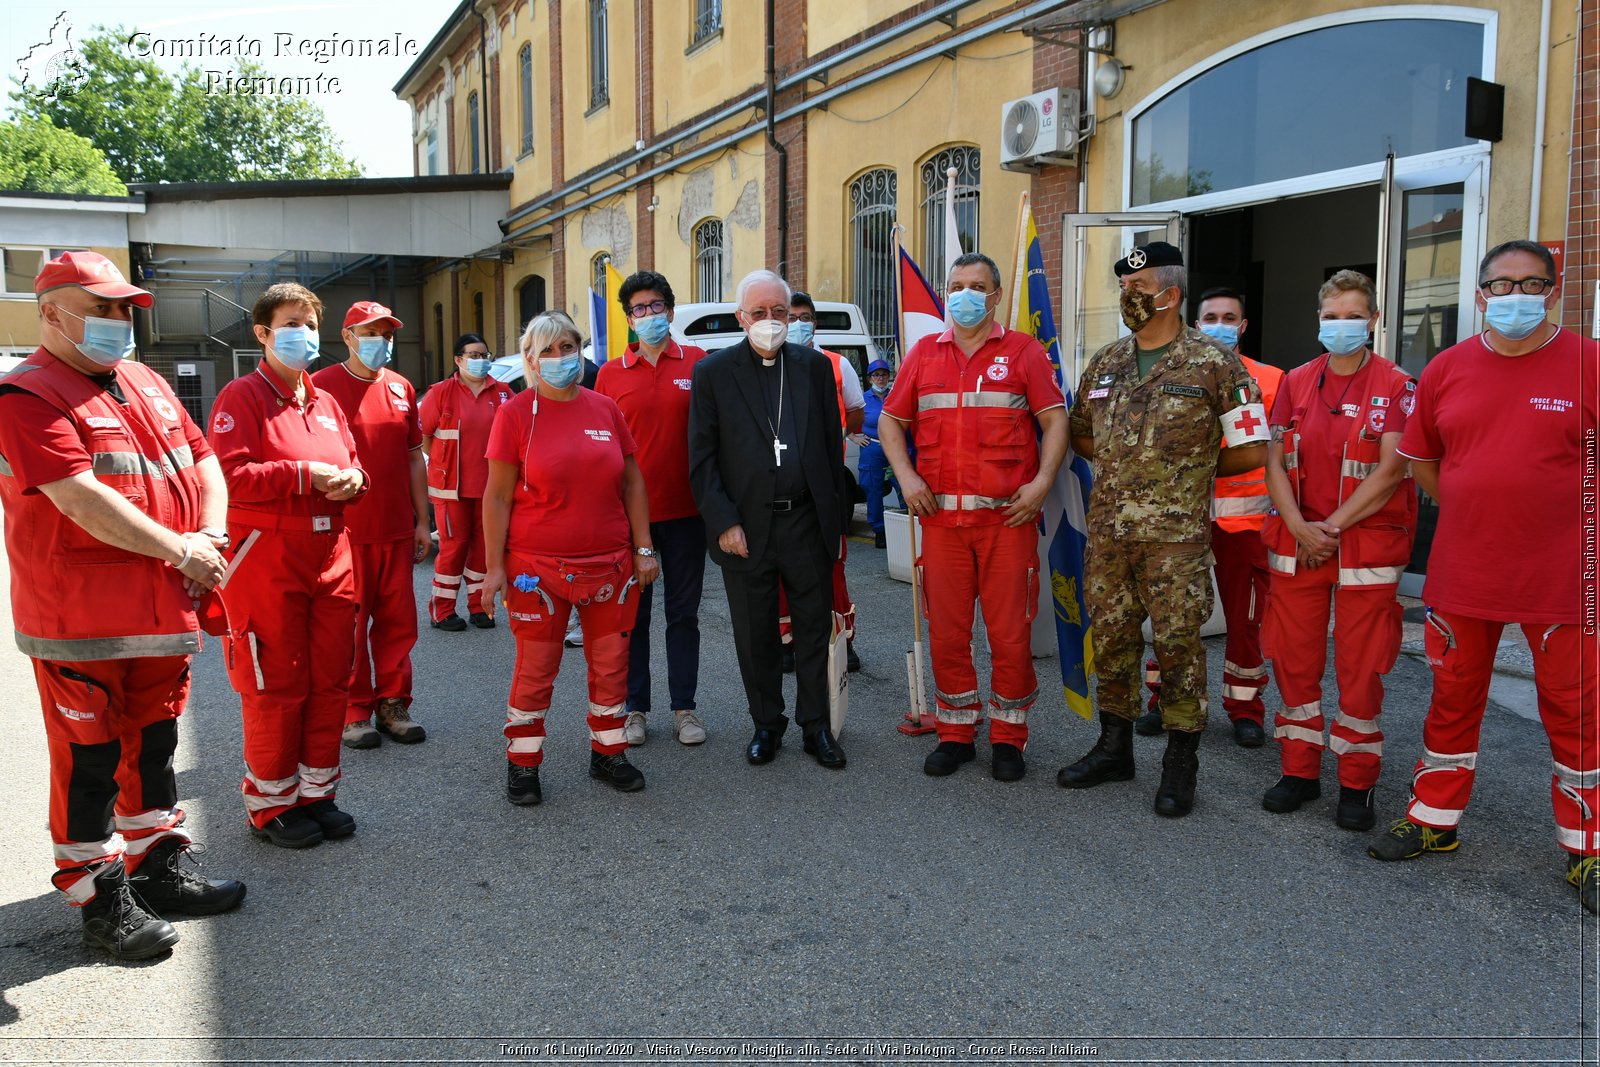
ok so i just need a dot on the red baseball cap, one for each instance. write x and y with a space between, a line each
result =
91 271
364 311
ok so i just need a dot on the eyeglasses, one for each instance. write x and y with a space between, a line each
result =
1505 286
777 311
802 316
655 307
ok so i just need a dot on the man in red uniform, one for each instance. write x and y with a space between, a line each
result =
388 526
650 383
114 508
456 416
1504 438
973 396
1239 505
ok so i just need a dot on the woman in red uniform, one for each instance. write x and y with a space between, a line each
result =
566 525
1345 515
290 463
456 417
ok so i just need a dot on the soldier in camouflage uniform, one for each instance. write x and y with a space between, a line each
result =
1150 412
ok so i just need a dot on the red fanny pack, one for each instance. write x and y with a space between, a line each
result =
579 581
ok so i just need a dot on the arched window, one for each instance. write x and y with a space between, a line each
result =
597 272
525 73
473 132
935 171
707 20
530 300
871 244
708 260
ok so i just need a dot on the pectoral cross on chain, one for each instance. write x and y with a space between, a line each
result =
778 449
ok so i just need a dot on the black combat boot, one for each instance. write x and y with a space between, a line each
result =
1110 760
1175 795
170 883
115 922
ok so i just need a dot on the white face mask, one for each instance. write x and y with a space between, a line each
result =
768 334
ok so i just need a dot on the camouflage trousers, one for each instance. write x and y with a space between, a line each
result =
1124 581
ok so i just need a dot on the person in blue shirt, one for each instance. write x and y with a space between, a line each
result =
873 467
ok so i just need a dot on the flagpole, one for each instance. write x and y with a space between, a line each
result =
917 720
1019 270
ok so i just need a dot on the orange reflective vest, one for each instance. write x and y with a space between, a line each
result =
74 597
1240 501
1376 550
444 455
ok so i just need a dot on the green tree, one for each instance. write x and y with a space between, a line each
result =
38 157
156 127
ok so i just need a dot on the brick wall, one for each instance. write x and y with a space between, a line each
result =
645 122
1581 265
558 166
494 153
790 54
1055 188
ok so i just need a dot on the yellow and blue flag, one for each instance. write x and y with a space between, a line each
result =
1064 518
609 332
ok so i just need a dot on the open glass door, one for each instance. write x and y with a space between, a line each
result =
1434 238
1090 306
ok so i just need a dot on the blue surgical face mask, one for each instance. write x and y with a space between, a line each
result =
801 332
1515 315
653 329
1225 334
881 390
967 307
478 368
374 352
561 372
105 341
1342 336
295 346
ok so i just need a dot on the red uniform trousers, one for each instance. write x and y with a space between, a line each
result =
998 566
842 604
1243 580
607 603
461 555
1461 652
291 612
1366 642
386 625
112 726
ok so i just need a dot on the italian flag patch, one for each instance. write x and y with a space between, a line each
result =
1241 395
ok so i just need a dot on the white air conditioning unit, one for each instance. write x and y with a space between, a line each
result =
1039 129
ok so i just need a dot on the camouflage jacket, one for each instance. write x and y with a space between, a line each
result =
1156 439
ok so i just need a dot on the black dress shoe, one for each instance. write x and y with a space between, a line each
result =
947 756
1247 733
481 619
451 623
764 746
824 748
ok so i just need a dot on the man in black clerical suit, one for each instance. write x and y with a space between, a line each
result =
765 464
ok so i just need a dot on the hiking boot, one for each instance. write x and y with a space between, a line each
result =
1179 766
1005 762
360 734
1110 760
335 823
1355 809
169 882
1584 872
295 828
1247 733
451 623
1289 793
852 661
395 721
482 620
522 784
1406 840
115 923
633 728
948 756
616 772
689 728
1149 724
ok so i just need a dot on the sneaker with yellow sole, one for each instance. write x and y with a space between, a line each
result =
1584 873
1406 840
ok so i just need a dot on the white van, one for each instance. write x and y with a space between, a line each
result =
841 328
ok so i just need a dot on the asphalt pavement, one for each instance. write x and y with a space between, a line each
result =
787 913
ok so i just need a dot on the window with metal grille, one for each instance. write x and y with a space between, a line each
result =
597 271
473 134
871 242
964 158
599 67
708 258
525 66
707 20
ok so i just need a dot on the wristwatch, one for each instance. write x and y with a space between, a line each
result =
646 552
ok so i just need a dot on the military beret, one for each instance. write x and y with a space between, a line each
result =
1154 254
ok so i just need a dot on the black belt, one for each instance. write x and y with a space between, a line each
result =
790 503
